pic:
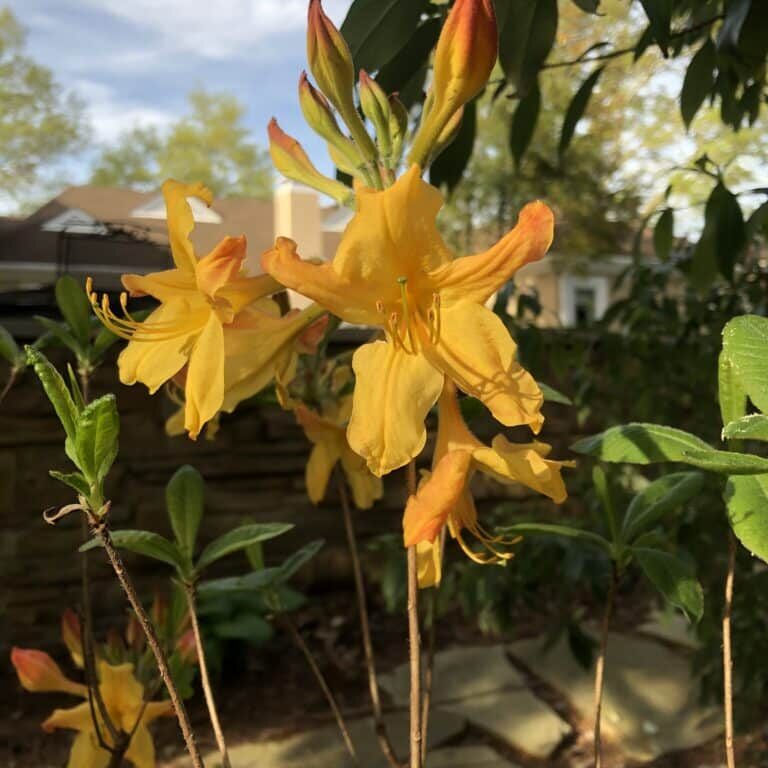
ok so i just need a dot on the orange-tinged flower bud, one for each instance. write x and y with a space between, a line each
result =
39 673
289 157
464 58
134 634
159 611
72 635
186 647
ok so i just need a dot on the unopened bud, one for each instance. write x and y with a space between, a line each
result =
72 635
375 106
39 673
289 157
448 134
186 647
398 127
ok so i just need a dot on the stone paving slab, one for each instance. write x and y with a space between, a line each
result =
459 673
650 701
324 748
468 757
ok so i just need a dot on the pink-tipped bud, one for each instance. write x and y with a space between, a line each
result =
134 634
186 647
39 673
159 611
72 635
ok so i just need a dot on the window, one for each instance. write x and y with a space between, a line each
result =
583 300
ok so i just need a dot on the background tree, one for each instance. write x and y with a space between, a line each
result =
39 123
210 143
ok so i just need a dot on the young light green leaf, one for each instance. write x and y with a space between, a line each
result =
61 333
732 396
184 497
238 539
674 578
753 427
745 342
657 499
74 388
550 529
747 502
638 443
551 395
75 307
576 110
9 349
56 389
143 543
298 559
727 462
96 435
73 480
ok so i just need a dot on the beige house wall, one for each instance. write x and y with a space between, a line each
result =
297 215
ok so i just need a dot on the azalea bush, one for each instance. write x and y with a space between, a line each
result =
217 336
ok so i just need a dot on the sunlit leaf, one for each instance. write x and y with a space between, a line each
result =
747 502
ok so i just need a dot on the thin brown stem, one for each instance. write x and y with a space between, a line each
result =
382 734
600 665
12 376
117 755
414 640
210 702
304 648
727 655
85 384
101 529
429 671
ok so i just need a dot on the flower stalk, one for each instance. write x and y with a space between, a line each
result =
727 653
414 639
600 665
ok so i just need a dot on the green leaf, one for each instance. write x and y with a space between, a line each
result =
298 559
727 462
659 13
251 582
184 501
735 16
524 123
745 342
255 556
657 499
551 395
145 543
96 434
674 578
55 389
75 307
576 110
600 481
238 539
747 503
9 349
61 333
374 29
637 443
663 234
754 427
550 529
527 34
73 480
699 81
104 340
448 168
731 394
247 627
74 388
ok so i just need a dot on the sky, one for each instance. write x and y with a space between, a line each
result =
134 61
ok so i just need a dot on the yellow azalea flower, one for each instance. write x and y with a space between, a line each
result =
393 270
199 299
259 347
445 498
328 435
123 698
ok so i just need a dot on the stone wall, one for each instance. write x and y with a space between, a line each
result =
254 470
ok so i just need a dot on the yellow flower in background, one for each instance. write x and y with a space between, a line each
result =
328 434
445 498
393 270
123 698
199 299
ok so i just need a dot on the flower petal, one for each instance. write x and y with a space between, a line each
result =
523 464
141 751
427 511
475 278
393 394
221 265
365 486
180 219
86 752
475 350
321 462
155 709
429 564
164 286
351 301
243 291
122 692
204 390
39 673
74 718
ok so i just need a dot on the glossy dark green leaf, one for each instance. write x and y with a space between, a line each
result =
699 81
663 234
143 543
588 6
527 34
524 123
184 497
674 578
745 342
754 427
735 16
576 109
248 627
659 13
641 444
55 389
74 306
374 29
238 539
747 502
448 169
96 437
291 565
660 497
757 224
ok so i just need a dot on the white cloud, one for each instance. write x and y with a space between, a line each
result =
110 116
218 30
